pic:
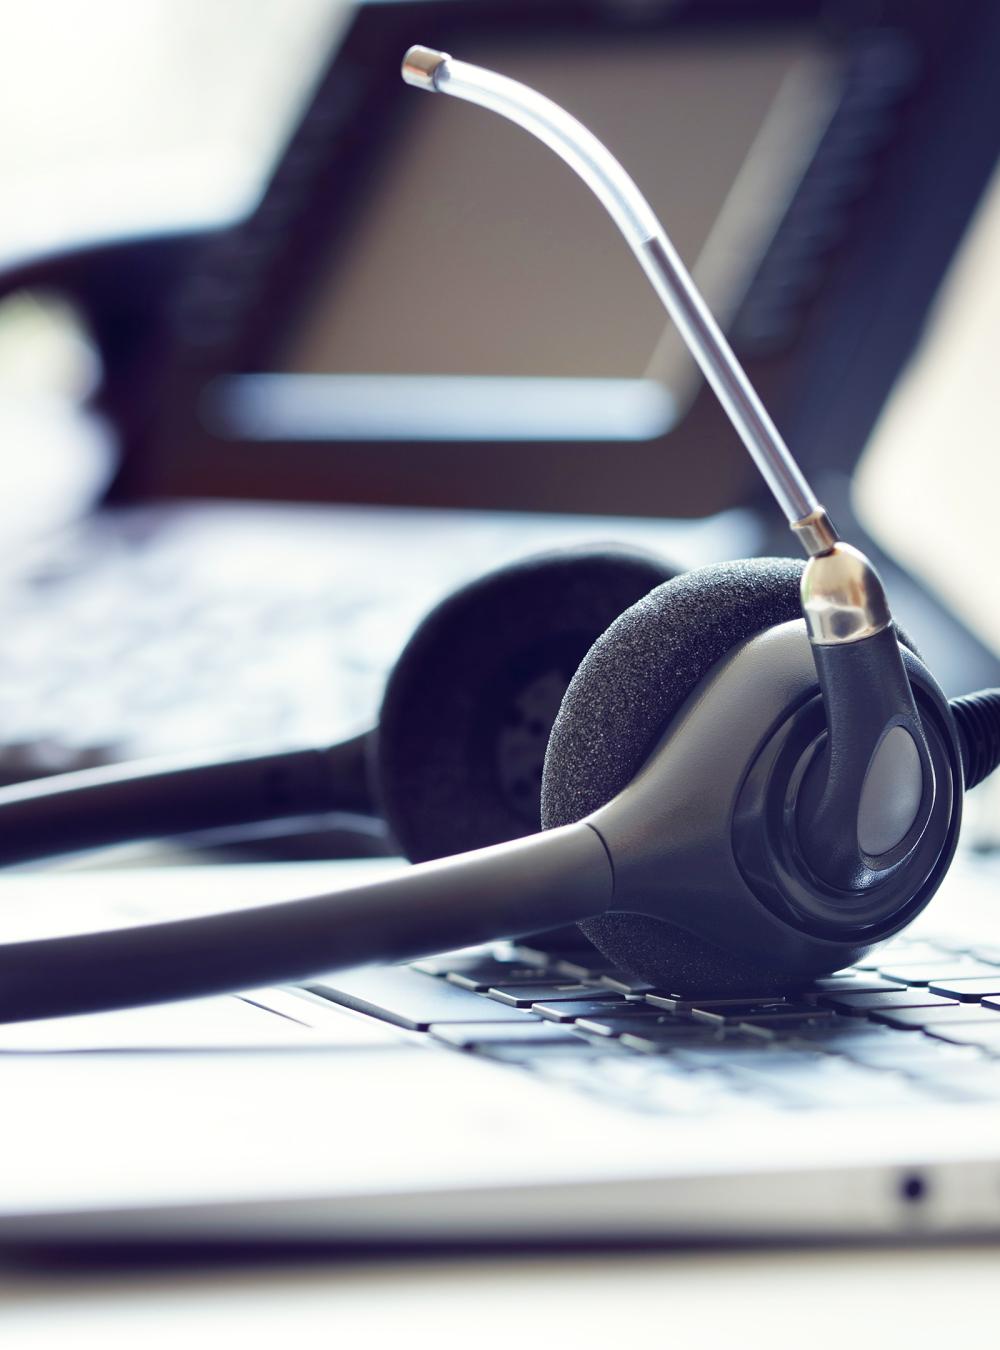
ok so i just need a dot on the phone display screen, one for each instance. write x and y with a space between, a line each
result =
478 253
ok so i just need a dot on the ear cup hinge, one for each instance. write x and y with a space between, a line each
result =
843 599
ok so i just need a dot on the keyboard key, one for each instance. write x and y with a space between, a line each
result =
722 1054
950 1014
777 1067
765 1012
433 965
689 1094
407 998
440 965
908 1054
623 1017
859 1005
570 1009
637 1073
970 1035
524 995
472 1035
839 1031
584 966
779 1030
665 1036
828 1082
851 984
623 983
483 977
967 991
837 1037
546 1060
687 1002
548 956
472 960
926 971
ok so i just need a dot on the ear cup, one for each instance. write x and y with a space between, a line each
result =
618 705
468 708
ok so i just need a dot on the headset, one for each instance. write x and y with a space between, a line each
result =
745 775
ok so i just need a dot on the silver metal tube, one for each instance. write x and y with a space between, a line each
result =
740 401
580 149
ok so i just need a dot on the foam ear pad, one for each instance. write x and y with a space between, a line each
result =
468 708
618 705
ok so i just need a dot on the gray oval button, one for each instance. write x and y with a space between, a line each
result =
890 796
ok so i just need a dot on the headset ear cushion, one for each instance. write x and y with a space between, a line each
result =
640 671
618 705
468 708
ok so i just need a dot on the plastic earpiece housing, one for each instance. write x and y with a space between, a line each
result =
681 853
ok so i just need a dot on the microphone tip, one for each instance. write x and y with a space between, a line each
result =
420 66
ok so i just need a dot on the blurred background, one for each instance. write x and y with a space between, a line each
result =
241 263
121 120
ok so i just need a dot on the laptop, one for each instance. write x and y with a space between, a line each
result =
514 1094
506 1095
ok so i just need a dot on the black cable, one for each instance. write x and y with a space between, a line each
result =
977 717
150 799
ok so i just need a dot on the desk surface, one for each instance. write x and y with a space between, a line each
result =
820 1298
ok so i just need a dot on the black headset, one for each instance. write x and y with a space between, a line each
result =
744 774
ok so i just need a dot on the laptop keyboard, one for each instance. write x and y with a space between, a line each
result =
915 1023
122 647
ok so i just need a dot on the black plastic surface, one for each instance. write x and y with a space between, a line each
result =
507 891
668 834
146 800
866 695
